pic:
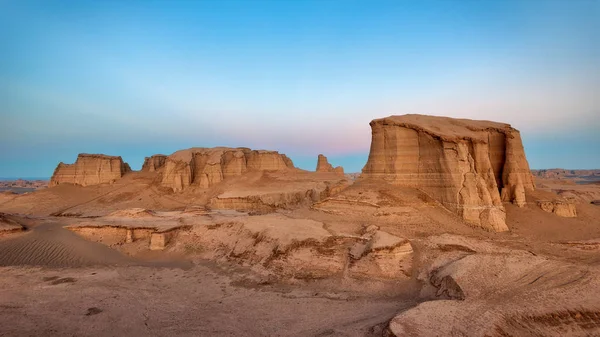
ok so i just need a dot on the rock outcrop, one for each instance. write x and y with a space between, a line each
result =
90 169
469 166
559 207
9 225
205 167
324 166
529 294
558 173
153 163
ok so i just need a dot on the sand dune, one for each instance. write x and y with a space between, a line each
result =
51 245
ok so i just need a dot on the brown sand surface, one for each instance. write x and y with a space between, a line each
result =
134 190
202 301
50 245
54 282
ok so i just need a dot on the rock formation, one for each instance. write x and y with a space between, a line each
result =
154 162
559 173
90 169
469 166
529 294
9 225
204 167
324 166
559 207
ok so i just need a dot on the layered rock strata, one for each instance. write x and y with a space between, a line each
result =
153 163
324 166
469 166
205 167
90 169
558 173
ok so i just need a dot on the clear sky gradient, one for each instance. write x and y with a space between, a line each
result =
135 78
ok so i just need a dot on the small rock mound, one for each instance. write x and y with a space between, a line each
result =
559 207
9 225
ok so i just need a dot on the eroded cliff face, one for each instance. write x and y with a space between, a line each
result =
324 166
469 166
153 163
90 169
204 167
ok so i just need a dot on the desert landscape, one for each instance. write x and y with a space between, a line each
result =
300 168
18 186
446 232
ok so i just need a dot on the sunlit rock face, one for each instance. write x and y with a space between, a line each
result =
205 167
324 166
153 163
90 169
469 166
559 207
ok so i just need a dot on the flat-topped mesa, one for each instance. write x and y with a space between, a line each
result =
153 163
324 166
469 166
204 167
90 169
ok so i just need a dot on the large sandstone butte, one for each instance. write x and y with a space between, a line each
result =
324 166
204 167
469 166
90 169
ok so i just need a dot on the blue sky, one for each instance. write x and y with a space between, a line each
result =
135 78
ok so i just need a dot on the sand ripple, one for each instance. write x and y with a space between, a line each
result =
51 245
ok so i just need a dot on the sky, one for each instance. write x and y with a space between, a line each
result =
136 78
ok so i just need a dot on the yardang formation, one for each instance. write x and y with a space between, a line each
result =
90 169
324 166
204 167
469 166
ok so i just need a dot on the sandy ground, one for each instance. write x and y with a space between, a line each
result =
87 288
201 301
51 245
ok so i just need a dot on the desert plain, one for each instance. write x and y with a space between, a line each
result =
445 232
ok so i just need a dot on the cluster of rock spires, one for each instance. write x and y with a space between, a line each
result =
201 167
90 169
469 166
205 167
